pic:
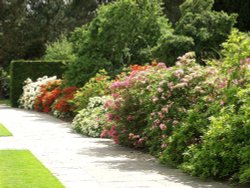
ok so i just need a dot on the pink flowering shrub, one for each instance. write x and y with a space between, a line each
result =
131 104
149 103
181 88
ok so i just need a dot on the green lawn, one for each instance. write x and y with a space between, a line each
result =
6 102
4 131
20 169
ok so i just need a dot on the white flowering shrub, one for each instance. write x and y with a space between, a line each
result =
31 90
90 120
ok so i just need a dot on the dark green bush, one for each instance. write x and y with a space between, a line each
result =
4 84
20 70
169 47
208 28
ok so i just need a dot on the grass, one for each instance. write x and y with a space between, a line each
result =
5 101
4 131
20 169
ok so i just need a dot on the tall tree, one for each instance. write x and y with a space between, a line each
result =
27 25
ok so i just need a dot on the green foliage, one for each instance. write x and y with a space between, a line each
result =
96 86
235 50
61 49
171 9
224 149
196 6
224 152
190 131
208 28
82 69
91 120
21 70
121 34
169 47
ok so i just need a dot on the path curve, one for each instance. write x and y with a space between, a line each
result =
82 162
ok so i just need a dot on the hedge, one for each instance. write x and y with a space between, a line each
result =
20 70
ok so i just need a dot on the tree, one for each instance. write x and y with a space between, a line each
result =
27 25
241 7
171 9
208 28
121 34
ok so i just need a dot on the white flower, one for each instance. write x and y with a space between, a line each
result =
31 90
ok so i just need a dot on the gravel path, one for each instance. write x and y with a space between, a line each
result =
82 162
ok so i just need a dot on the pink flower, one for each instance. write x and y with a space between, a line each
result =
163 126
179 73
130 118
164 145
160 90
165 109
222 102
104 133
155 99
160 115
108 103
171 85
110 116
157 121
161 65
124 131
115 95
141 140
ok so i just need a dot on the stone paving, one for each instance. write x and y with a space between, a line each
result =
82 162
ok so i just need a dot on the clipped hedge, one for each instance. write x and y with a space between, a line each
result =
20 70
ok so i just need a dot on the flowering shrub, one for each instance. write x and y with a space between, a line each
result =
224 152
49 92
151 101
96 86
221 148
90 120
31 90
181 88
62 107
130 105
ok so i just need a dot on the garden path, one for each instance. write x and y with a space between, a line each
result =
79 161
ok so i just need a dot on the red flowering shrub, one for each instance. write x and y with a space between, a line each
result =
62 105
49 93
